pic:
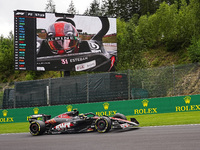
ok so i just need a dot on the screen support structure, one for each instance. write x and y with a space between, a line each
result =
66 73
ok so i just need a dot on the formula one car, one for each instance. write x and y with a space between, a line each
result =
72 122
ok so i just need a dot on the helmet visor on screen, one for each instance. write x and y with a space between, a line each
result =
64 44
62 37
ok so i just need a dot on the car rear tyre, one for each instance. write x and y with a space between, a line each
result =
120 116
37 127
103 124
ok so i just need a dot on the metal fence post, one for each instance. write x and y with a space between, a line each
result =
49 93
87 89
47 89
14 101
129 85
173 80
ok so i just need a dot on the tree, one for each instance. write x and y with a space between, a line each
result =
6 55
194 50
119 8
50 6
130 46
87 13
94 9
125 9
171 25
71 9
147 7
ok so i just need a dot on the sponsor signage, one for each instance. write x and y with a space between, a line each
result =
145 109
6 118
126 107
188 106
106 111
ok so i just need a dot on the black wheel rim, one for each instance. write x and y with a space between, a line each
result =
34 128
101 125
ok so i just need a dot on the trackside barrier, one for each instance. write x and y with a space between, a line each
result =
128 107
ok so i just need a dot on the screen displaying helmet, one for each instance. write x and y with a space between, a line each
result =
62 38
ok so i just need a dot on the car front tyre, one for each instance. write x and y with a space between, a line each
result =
103 124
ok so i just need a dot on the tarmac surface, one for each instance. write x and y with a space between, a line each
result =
180 137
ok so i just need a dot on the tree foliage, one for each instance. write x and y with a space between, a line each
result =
71 9
125 9
171 25
194 50
94 9
130 46
6 55
50 6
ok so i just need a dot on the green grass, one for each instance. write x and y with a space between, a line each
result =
179 118
14 127
159 57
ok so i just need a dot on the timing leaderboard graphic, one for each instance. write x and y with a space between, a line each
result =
64 42
25 39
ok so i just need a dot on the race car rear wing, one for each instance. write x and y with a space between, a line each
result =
39 117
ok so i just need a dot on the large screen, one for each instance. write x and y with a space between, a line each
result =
64 42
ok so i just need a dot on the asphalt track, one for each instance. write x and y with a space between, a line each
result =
183 137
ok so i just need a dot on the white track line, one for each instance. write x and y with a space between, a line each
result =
172 125
13 133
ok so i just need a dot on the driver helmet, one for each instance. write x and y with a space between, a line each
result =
75 112
62 38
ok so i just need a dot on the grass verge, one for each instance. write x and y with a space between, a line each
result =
178 118
14 127
145 120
